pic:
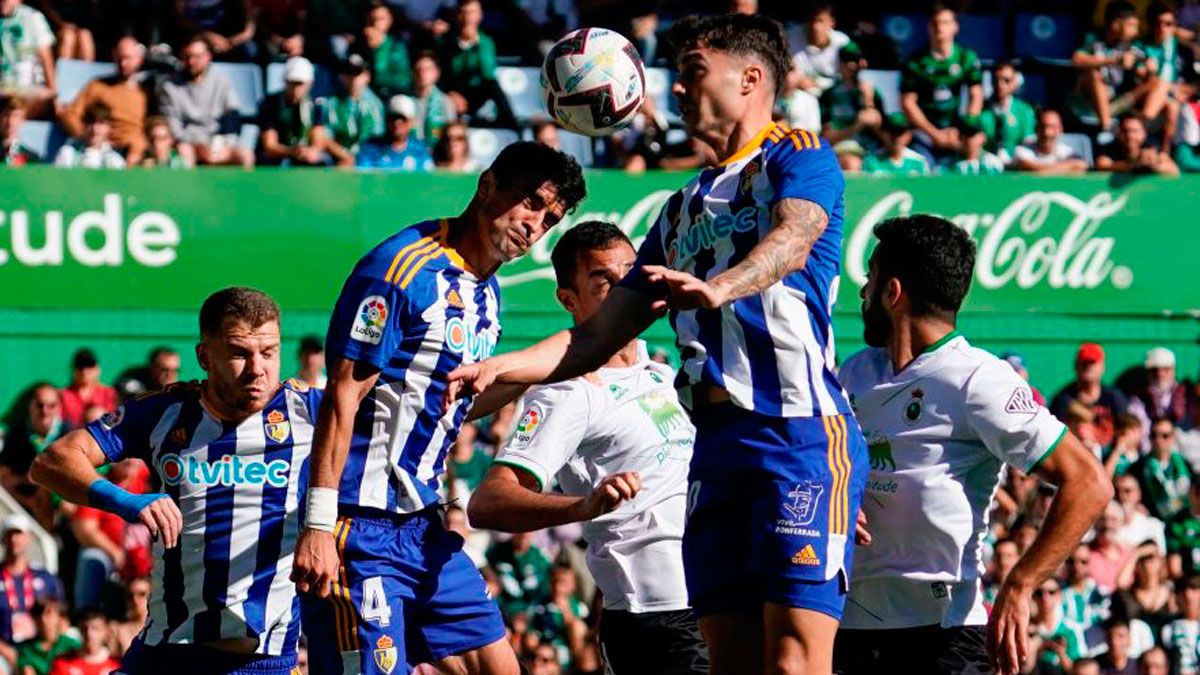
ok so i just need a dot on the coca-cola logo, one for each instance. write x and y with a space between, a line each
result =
1041 238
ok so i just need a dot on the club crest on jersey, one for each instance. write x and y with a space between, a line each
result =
748 172
277 426
916 406
386 654
1021 402
370 319
112 419
805 498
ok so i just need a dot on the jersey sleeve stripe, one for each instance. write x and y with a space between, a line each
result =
428 245
403 253
1049 451
417 265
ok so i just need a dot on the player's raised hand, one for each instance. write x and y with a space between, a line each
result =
686 291
611 492
163 518
316 562
1007 630
468 380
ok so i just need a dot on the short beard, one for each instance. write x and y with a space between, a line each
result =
877 325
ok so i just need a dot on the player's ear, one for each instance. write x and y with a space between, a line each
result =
893 292
202 356
487 184
566 298
753 76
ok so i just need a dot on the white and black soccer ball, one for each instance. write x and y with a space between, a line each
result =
593 81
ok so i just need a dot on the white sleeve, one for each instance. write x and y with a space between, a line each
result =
41 35
1023 153
549 430
1001 409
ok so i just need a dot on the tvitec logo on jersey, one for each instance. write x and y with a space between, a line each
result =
230 470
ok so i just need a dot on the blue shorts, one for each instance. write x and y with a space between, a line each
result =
179 659
772 506
406 594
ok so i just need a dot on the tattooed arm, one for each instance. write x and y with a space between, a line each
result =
796 226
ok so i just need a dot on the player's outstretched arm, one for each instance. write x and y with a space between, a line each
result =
1084 489
316 562
508 500
566 354
68 468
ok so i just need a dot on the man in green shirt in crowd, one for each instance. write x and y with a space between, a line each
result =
975 160
468 462
931 84
1007 120
355 115
292 123
468 59
896 158
1164 474
1183 538
852 109
1166 59
1113 76
38 653
523 571
386 57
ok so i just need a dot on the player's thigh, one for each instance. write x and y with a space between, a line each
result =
798 641
452 620
667 643
961 650
735 643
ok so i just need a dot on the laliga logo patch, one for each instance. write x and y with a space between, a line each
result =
804 502
385 654
529 423
369 321
277 426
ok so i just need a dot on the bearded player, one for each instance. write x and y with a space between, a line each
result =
942 419
746 257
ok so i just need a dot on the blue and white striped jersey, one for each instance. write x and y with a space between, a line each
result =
239 486
414 310
774 351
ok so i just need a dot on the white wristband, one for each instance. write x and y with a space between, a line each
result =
322 509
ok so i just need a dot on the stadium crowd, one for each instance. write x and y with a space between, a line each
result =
397 85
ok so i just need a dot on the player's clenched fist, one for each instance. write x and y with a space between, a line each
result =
611 491
468 380
316 562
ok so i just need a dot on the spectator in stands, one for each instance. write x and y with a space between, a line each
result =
1154 661
1166 59
398 151
1048 153
26 60
1111 562
354 115
1018 364
34 656
560 619
468 59
453 149
312 362
30 430
85 389
108 547
94 657
1132 152
1109 83
137 609
1164 474
974 159
524 573
125 96
544 661
1138 526
74 23
12 118
227 26
931 84
896 158
643 33
1005 555
24 584
1081 421
279 28
160 142
535 25
1058 643
93 150
162 368
851 110
1179 636
434 108
385 55
546 133
1148 599
1183 537
469 462
1085 605
203 111
1126 446
1163 395
293 125
816 67
1106 402
1007 120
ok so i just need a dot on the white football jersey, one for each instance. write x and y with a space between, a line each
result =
938 434
619 419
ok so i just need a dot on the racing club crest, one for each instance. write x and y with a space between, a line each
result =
916 405
277 426
385 654
805 497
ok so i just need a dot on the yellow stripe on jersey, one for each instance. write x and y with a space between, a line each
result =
754 144
342 589
839 466
408 254
339 620
843 448
417 265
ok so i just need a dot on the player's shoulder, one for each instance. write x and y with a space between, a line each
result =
146 407
798 148
864 368
393 259
556 394
309 396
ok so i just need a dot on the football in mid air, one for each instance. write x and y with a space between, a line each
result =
593 81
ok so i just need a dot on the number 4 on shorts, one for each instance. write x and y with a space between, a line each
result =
375 607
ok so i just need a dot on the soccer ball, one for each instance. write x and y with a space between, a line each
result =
593 81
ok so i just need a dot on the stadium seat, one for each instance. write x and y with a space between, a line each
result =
1081 144
985 33
658 90
247 82
582 148
487 143
73 75
248 138
887 83
908 31
524 92
1049 37
43 138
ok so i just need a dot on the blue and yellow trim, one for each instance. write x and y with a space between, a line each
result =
840 467
754 144
344 614
413 257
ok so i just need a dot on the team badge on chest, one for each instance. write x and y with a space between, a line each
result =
277 426
916 406
385 654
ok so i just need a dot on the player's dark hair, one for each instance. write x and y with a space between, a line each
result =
529 163
89 614
1004 63
590 235
311 344
41 606
1119 10
818 8
931 257
236 302
745 35
193 39
1170 419
1192 582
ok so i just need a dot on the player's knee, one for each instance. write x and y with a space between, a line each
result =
796 660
